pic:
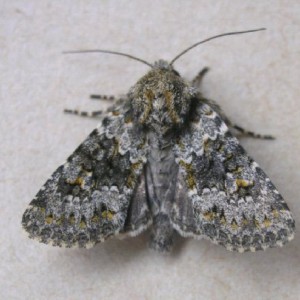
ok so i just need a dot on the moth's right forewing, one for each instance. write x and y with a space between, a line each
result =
87 199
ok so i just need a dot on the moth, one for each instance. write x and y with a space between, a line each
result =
164 157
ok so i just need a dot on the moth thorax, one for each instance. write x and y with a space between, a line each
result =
161 101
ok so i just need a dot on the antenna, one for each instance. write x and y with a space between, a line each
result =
211 38
110 52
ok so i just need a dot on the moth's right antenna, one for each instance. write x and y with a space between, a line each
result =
211 38
110 52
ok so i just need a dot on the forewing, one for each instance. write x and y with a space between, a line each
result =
87 199
222 194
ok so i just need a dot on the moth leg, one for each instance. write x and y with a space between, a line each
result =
243 132
198 79
92 114
120 100
246 133
103 97
98 113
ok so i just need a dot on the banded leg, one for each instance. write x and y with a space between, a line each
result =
243 132
196 82
246 133
102 97
92 114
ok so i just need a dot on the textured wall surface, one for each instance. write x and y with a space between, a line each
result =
254 77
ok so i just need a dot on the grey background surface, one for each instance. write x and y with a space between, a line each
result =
254 77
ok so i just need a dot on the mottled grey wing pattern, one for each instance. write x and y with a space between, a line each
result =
94 194
222 194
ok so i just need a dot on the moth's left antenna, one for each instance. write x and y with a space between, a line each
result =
212 38
110 52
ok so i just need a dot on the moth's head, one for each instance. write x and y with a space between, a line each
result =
161 99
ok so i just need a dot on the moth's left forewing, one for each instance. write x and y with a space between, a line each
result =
224 195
